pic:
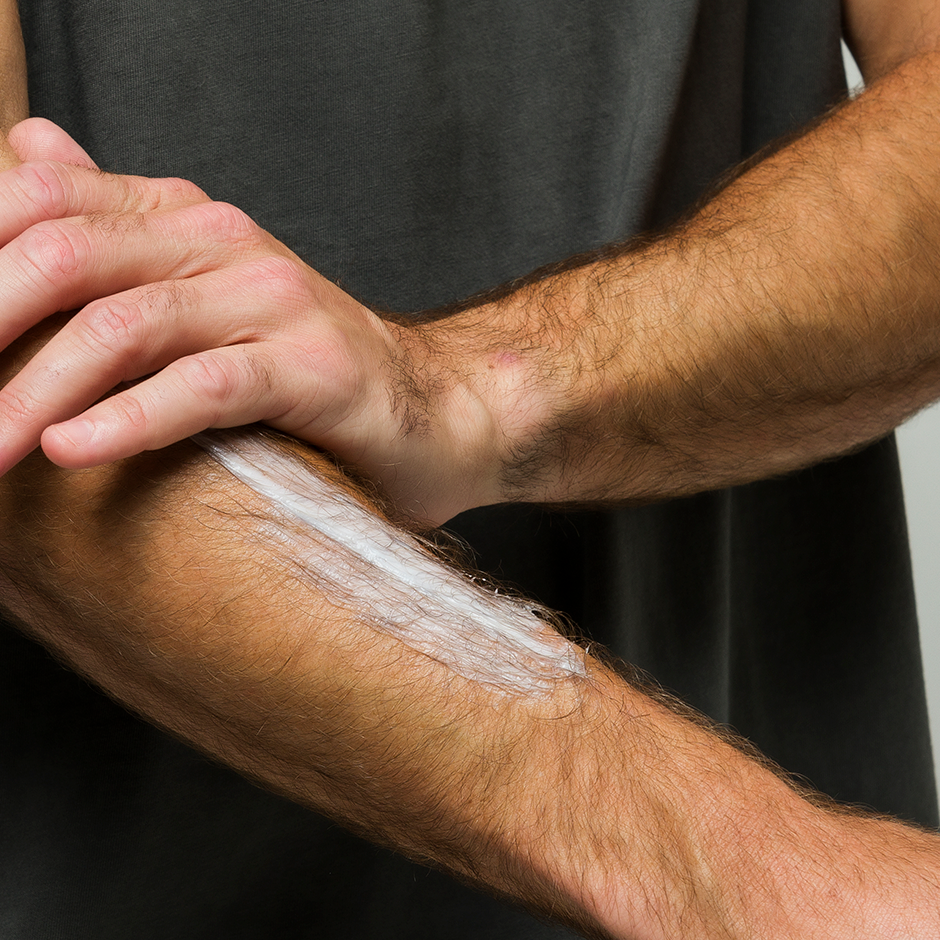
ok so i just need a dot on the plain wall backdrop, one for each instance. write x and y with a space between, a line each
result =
919 442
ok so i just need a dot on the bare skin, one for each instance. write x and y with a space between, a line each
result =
594 803
13 99
591 803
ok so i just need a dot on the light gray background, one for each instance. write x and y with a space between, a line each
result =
919 443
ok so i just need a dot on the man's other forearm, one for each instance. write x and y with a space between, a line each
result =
792 318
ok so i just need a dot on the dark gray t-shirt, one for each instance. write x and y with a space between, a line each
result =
417 152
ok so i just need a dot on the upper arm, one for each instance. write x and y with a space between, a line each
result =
884 33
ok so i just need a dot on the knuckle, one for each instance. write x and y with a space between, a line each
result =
213 377
184 189
227 382
162 298
173 191
228 221
55 250
17 405
112 324
44 187
282 279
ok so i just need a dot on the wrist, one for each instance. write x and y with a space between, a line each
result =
450 414
515 379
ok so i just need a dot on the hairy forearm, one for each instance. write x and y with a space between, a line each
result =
187 596
209 623
536 773
792 318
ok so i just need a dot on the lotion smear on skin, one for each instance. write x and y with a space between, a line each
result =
390 579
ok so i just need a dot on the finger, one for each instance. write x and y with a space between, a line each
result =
219 388
65 264
40 190
121 338
39 139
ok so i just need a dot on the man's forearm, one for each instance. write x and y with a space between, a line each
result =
203 626
792 318
579 796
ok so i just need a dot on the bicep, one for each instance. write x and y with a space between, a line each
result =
884 33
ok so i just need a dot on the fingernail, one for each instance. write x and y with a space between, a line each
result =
77 432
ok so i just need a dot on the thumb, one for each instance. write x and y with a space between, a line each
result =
39 139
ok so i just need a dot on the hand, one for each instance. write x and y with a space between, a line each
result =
217 322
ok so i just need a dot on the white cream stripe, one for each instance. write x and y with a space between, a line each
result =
389 578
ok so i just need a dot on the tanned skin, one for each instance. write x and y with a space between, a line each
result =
593 803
